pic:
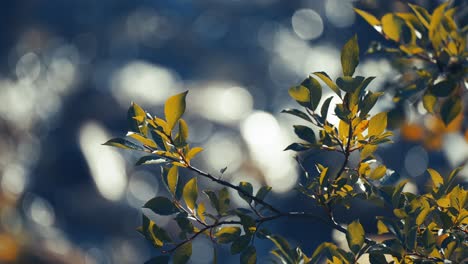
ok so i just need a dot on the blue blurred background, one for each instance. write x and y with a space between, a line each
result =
69 70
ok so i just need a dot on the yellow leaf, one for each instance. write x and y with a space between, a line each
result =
378 172
372 20
382 228
437 179
367 150
355 236
343 131
143 140
174 109
190 193
377 124
173 179
392 26
201 211
193 152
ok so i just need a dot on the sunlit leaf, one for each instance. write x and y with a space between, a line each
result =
429 102
193 152
378 172
392 26
421 13
201 209
301 94
328 81
377 124
305 133
372 20
142 139
190 193
124 144
183 253
355 236
135 116
173 179
437 179
382 228
367 150
174 108
161 205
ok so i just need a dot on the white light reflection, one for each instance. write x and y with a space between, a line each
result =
455 149
222 102
221 150
144 83
28 67
142 187
340 12
307 24
106 165
13 179
266 142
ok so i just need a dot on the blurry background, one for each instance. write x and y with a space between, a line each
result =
69 70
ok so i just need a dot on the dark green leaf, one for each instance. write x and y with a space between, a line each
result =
161 205
297 147
249 256
328 81
315 90
123 143
305 133
301 94
158 260
297 113
183 253
135 116
324 109
350 56
349 84
376 258
248 189
240 244
184 223
262 192
443 88
450 109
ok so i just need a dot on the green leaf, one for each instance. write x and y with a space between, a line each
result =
328 81
429 102
224 200
324 109
173 179
174 108
443 88
283 247
377 124
124 144
184 223
376 258
392 26
450 109
181 139
372 20
249 256
350 56
247 188
315 90
297 147
262 192
227 234
305 133
190 193
152 159
355 236
161 206
142 139
240 244
183 253
297 113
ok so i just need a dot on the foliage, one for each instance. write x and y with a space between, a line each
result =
420 228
